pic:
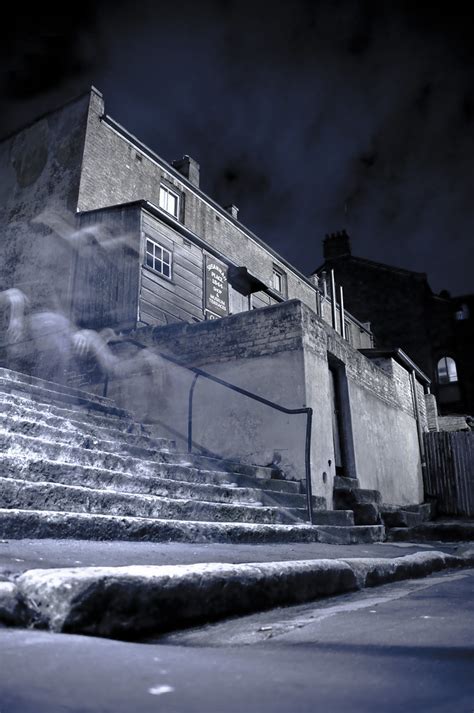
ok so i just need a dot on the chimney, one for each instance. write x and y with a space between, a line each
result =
233 210
188 167
336 245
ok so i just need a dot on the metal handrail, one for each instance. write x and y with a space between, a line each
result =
283 409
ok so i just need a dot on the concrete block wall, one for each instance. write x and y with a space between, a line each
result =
384 428
282 353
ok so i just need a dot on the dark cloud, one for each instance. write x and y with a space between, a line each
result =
310 116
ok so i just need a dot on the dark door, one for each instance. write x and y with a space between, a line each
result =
336 421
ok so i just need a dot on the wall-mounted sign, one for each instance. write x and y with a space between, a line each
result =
216 292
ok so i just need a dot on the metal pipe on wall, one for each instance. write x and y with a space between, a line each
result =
341 306
418 421
333 301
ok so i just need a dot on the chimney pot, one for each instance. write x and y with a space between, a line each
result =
233 210
336 245
188 167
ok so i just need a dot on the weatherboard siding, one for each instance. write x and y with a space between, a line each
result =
164 300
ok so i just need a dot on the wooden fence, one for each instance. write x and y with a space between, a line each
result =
449 475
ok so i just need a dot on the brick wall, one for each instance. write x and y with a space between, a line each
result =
242 336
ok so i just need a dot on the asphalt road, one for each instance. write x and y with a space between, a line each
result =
405 647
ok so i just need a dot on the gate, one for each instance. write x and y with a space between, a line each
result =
449 473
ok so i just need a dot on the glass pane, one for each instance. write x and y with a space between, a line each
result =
447 372
163 198
442 372
172 204
166 270
452 371
149 260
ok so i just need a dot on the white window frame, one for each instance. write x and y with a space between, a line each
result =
158 258
446 371
280 275
164 200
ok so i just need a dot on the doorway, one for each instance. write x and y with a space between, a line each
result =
341 420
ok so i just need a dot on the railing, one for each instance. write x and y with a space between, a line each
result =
271 404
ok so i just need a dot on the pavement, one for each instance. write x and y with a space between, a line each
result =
397 648
132 590
20 555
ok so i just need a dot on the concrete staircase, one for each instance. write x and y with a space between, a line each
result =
74 465
368 509
365 504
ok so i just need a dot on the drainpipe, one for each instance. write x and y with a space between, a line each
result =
333 301
418 422
341 306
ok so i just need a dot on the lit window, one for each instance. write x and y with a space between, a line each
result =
462 312
278 280
447 372
169 201
158 258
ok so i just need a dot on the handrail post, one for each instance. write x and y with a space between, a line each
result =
309 490
190 413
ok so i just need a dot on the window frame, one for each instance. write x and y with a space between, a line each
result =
281 275
170 191
446 360
155 259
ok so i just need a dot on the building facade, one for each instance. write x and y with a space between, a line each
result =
99 229
99 226
435 330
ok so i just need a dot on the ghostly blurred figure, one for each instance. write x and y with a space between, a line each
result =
45 343
48 345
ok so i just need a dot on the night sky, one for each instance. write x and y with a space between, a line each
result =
309 116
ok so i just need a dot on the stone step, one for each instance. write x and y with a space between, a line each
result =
401 518
171 486
341 483
85 438
43 469
18 523
19 378
58 398
426 510
16 405
356 496
363 503
449 530
15 444
357 535
15 493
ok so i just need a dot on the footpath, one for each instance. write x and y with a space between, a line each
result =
132 590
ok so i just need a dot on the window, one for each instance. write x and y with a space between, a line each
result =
278 280
158 258
447 372
462 313
169 200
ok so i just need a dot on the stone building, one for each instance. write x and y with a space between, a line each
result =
144 245
435 330
97 227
